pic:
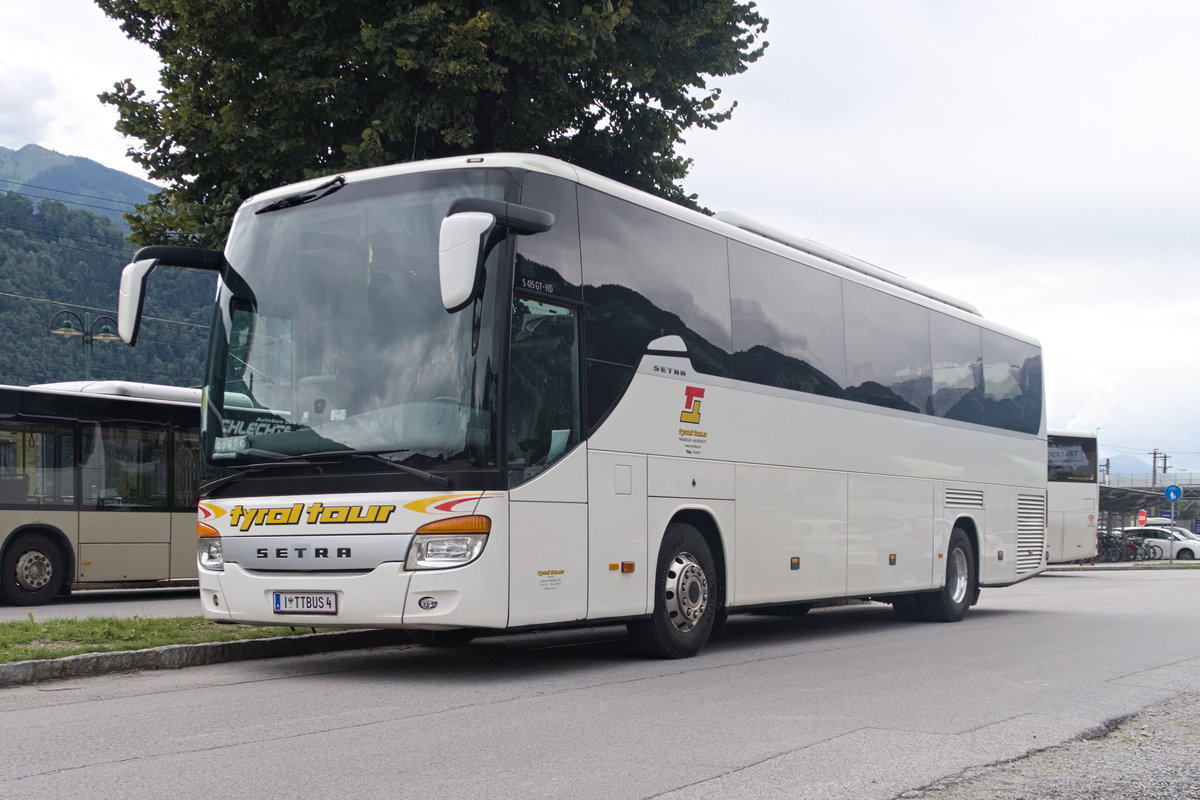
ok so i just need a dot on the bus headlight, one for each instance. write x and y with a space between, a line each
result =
208 548
448 543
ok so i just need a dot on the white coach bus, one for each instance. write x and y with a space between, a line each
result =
1073 496
498 392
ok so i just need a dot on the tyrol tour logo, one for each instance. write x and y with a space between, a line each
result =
692 439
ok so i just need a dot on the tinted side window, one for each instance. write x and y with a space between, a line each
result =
887 350
787 323
37 464
647 275
957 368
548 262
1012 383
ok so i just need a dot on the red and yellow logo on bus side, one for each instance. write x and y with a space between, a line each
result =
691 405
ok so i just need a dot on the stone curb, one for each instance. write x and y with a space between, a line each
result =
175 656
1122 565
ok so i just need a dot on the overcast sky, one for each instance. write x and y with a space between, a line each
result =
1037 158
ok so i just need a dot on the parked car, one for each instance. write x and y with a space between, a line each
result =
1176 543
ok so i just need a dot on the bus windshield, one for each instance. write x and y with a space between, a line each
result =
330 334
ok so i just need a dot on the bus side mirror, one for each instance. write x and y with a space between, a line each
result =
471 228
462 248
135 274
132 293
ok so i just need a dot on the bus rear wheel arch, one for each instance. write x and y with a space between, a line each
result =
33 569
959 592
687 596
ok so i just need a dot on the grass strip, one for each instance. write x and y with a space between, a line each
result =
26 640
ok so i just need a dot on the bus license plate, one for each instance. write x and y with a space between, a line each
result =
305 602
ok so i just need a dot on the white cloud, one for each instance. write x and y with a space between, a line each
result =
69 52
27 103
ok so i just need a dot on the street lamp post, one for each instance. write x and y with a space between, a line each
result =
67 323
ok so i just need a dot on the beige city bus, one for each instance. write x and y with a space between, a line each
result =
98 486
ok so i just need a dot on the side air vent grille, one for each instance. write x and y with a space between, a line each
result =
964 498
1031 532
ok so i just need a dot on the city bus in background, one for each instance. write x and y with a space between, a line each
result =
1073 497
500 392
98 487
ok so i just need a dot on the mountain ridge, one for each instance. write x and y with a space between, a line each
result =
80 182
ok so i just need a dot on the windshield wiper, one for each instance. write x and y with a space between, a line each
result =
325 189
378 455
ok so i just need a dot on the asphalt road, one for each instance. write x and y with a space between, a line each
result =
112 603
845 703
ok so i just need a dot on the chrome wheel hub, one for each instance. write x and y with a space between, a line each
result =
34 570
686 592
956 577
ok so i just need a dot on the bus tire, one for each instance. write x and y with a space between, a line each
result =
685 597
953 600
32 570
449 638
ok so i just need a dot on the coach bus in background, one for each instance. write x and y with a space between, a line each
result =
500 392
1073 497
98 487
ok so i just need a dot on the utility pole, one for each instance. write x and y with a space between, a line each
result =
1154 469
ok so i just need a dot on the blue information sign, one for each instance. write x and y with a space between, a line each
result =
1173 493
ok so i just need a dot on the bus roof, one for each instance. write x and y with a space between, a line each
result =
141 391
729 224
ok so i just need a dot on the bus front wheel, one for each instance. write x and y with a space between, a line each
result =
685 597
32 570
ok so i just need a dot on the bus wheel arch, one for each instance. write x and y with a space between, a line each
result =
688 589
35 566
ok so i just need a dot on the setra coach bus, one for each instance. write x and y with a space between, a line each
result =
500 392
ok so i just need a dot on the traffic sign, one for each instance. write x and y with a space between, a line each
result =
1142 517
1173 493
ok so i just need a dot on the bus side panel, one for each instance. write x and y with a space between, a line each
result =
125 526
617 534
891 534
998 561
123 545
1056 523
123 562
790 513
183 545
548 580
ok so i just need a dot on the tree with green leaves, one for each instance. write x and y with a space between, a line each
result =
259 93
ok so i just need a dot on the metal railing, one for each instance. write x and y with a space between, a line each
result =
1144 479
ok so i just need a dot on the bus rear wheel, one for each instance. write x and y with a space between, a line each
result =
685 597
32 570
953 600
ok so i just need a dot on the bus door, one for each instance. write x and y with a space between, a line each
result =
124 530
37 477
546 470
